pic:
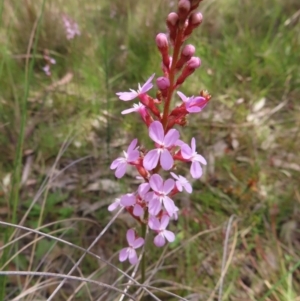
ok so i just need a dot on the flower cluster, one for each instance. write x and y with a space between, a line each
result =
49 61
71 27
152 204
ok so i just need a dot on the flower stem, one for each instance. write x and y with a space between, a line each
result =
143 260
177 46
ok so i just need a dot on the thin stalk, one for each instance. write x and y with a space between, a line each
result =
16 178
143 260
177 47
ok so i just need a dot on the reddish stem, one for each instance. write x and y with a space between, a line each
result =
176 52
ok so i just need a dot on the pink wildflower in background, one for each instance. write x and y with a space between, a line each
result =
71 27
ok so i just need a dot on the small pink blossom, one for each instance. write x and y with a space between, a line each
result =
126 96
71 27
193 104
136 108
130 156
159 195
181 182
190 154
164 143
129 200
114 205
129 252
160 227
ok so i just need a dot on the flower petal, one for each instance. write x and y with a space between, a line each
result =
156 182
200 159
169 205
168 186
188 187
138 210
186 151
116 163
164 222
128 199
126 96
166 160
154 206
151 159
170 236
156 132
133 155
130 235
138 243
132 257
159 240
114 205
147 85
121 170
196 170
123 255
171 138
132 145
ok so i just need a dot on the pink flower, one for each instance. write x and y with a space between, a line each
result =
129 200
136 108
160 227
190 154
130 157
126 96
181 182
159 195
71 27
193 104
129 252
164 142
114 205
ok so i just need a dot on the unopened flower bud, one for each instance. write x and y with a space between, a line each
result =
194 21
187 52
172 21
184 7
194 63
189 68
163 47
163 83
161 41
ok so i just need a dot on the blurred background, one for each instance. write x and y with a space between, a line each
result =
61 63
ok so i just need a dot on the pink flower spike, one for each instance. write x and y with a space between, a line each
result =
181 182
190 154
164 142
129 252
130 156
160 196
126 96
160 227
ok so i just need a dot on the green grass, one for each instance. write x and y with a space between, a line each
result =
249 51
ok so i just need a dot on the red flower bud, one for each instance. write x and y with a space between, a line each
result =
184 7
